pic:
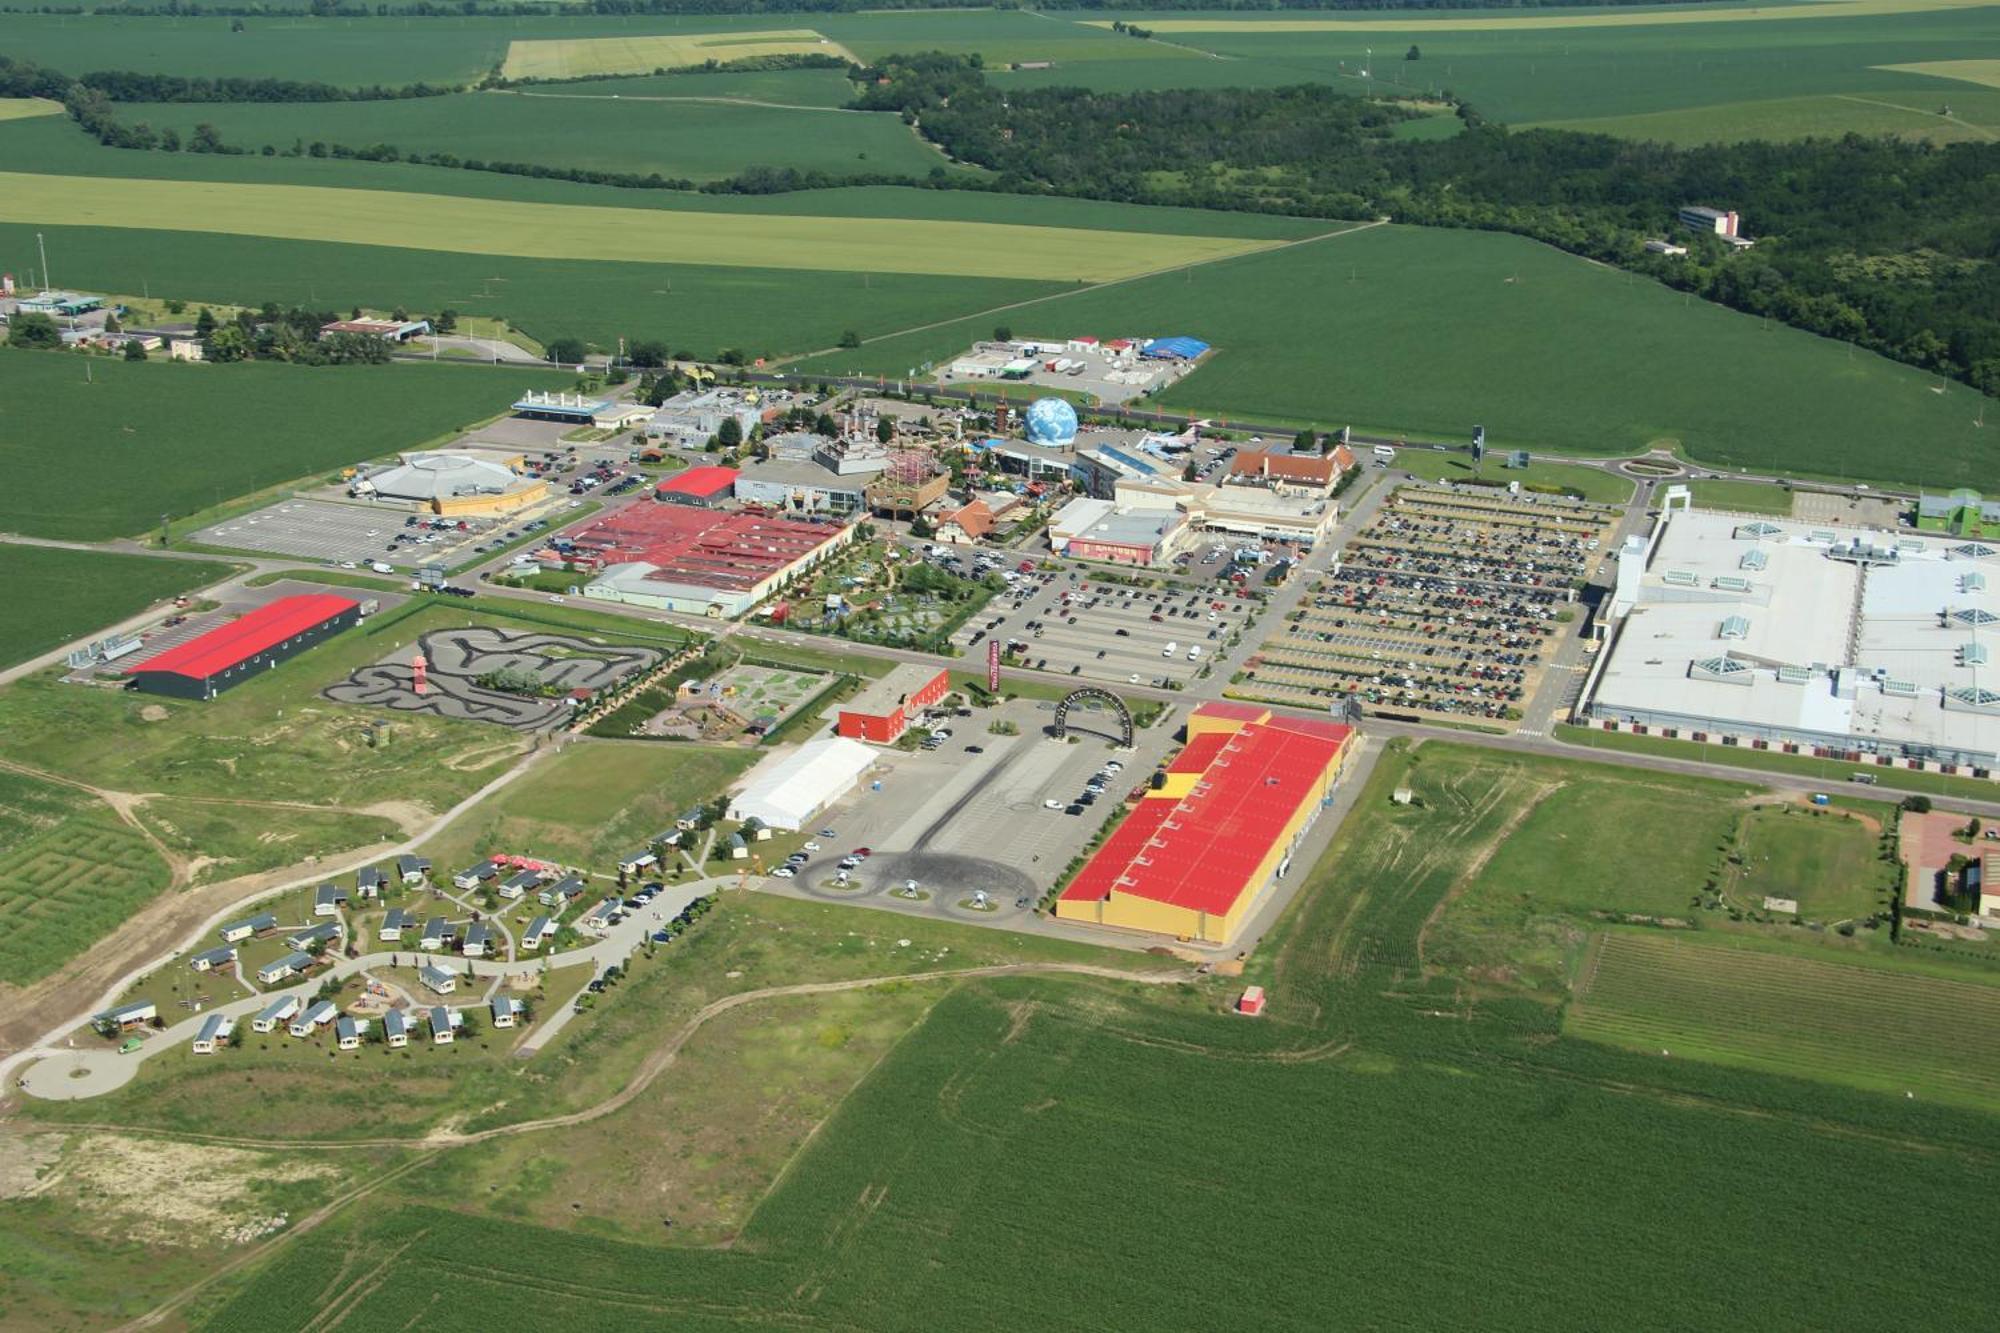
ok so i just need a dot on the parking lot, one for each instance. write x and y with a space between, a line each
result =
1106 633
972 817
1106 376
1448 604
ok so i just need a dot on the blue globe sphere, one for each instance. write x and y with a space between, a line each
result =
1051 422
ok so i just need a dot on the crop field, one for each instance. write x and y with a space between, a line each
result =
1423 331
582 57
156 437
55 596
1882 1030
698 140
560 231
1688 75
932 1196
70 872
779 87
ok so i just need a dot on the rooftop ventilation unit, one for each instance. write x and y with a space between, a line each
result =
1754 558
1736 627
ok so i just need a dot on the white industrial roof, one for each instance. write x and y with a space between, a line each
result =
441 476
785 791
1811 642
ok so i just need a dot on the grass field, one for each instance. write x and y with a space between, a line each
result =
582 57
558 231
215 836
58 596
1985 73
1875 1029
1974 117
1826 863
157 437
1647 18
1410 330
1594 483
705 140
1751 497
70 872
21 108
592 804
932 1196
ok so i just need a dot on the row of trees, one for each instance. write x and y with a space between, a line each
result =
1886 243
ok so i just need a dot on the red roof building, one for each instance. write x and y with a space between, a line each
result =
883 711
1197 850
230 654
707 484
674 557
1301 471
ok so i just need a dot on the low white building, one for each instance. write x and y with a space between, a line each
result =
786 791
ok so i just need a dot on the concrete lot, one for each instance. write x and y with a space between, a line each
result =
1096 378
959 822
338 531
1094 649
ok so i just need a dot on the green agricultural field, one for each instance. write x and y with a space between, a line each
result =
1873 1028
585 57
57 596
70 873
54 147
1835 773
158 437
1108 1118
697 140
592 804
1428 332
774 87
1713 72
562 231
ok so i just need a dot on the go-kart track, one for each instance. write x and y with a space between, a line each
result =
456 659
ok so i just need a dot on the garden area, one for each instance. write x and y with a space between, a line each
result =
870 594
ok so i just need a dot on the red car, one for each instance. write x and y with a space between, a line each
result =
1026 567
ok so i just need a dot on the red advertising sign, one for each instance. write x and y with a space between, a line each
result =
993 666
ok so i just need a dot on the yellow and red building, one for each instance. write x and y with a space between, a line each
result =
1192 856
883 711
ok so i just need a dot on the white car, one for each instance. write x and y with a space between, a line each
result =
783 872
1052 804
810 847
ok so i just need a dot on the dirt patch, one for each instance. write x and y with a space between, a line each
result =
28 1164
167 1193
154 713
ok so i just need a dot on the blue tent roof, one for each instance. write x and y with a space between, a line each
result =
1174 349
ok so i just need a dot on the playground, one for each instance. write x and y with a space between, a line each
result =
741 701
522 681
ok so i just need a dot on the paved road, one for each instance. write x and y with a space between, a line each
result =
71 1073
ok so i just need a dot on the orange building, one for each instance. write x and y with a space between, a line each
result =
1196 851
883 711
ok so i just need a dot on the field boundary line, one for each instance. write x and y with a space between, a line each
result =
1921 115
657 97
1279 248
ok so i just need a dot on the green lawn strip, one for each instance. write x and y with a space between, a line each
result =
58 596
1836 773
1593 483
1752 497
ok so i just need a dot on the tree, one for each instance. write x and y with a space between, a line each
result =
567 351
731 433
1413 53
111 324
205 323
1002 333
228 344
33 330
170 141
921 527
206 140
445 320
135 350
1305 442
824 424
1917 805
850 339
885 429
